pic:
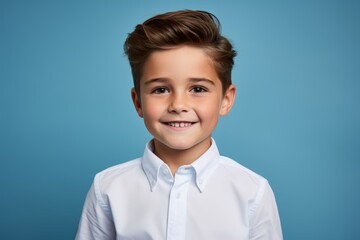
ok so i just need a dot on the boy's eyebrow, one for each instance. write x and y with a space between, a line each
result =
194 80
202 80
161 80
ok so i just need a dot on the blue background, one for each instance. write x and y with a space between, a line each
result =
66 111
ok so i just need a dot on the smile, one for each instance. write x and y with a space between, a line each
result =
179 124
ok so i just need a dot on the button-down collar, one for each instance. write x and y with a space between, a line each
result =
203 167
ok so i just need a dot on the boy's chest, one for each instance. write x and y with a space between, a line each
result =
176 212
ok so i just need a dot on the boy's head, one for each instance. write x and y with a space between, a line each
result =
186 27
182 75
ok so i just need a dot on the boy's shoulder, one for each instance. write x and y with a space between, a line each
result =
238 173
119 171
121 168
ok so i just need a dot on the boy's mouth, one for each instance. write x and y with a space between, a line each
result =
179 124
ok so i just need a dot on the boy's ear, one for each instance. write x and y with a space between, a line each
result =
228 100
137 103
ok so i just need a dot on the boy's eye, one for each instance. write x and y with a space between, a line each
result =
198 89
160 90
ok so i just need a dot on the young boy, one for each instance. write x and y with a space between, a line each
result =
181 188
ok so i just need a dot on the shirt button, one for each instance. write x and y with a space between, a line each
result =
178 195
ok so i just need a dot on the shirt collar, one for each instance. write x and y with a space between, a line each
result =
151 165
204 166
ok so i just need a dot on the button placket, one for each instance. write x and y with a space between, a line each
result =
177 207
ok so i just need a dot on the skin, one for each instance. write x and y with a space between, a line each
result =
180 101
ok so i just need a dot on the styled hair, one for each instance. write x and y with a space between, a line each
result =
185 27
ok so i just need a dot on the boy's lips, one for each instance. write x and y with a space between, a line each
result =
179 124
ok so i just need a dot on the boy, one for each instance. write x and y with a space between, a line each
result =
181 188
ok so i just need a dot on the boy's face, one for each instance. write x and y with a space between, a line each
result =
181 98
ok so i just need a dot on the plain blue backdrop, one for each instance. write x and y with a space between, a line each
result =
66 111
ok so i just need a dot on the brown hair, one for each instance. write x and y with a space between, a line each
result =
186 27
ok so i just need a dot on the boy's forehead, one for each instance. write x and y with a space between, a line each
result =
183 62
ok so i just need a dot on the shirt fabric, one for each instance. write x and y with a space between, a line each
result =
212 198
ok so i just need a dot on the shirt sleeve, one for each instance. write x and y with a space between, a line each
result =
264 216
96 222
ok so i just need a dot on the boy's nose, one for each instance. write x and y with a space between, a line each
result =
178 104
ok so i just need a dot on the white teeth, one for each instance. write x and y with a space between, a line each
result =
179 125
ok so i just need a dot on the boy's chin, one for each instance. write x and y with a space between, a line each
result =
182 144
173 145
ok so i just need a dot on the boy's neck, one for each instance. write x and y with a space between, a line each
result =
175 158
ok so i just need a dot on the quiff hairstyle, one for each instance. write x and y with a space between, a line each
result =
186 27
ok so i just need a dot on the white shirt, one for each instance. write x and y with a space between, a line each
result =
212 198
